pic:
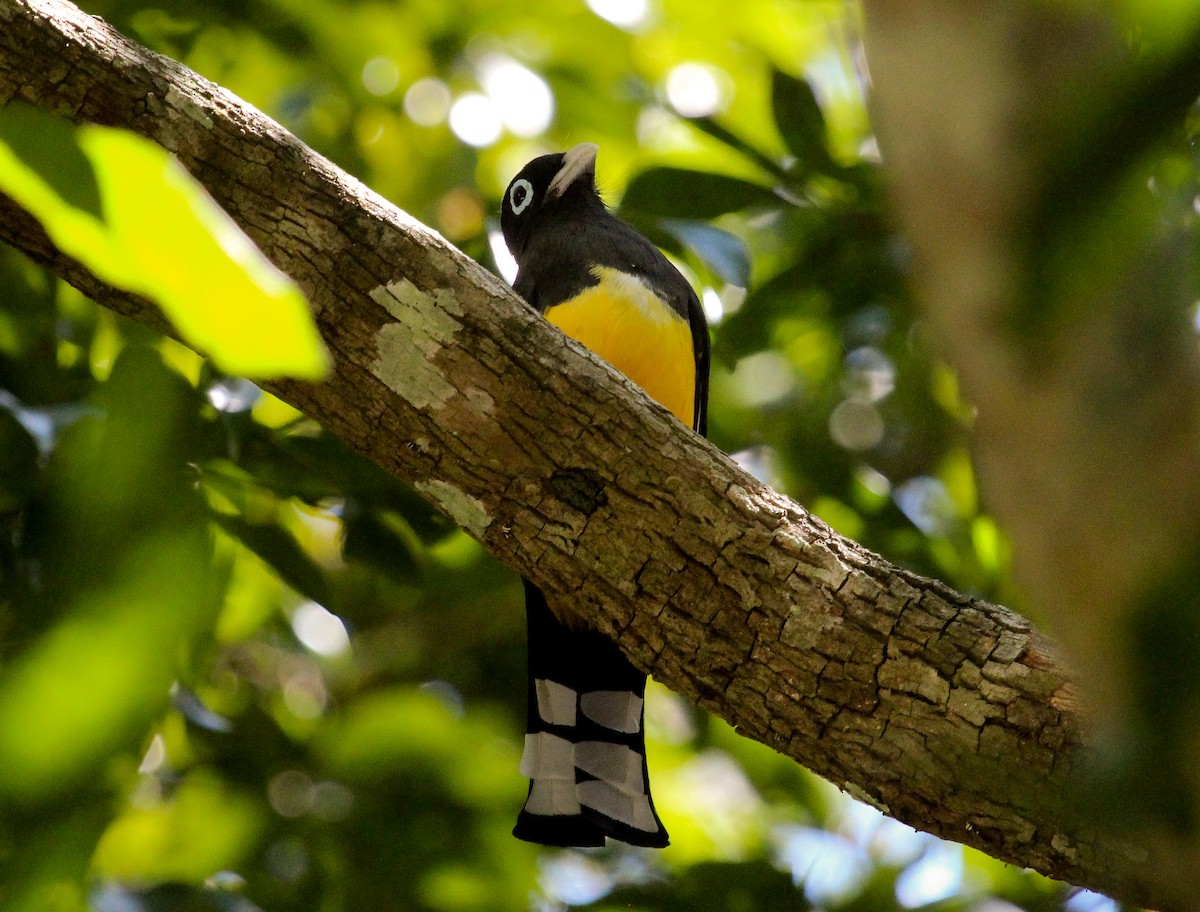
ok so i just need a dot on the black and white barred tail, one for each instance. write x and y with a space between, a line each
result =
585 752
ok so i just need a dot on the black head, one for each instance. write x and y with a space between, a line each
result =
547 184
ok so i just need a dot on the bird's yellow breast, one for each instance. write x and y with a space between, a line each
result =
624 322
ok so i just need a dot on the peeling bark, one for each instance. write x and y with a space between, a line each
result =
950 714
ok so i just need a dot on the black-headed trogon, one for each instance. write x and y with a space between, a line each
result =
608 287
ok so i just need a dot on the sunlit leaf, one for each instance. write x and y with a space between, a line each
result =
958 476
789 293
162 236
98 677
1166 23
398 727
50 148
406 747
205 826
279 549
723 134
455 887
990 544
253 595
403 730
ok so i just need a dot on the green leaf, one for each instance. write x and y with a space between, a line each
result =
165 238
49 147
749 330
799 120
369 539
18 462
325 458
726 136
49 851
722 251
275 546
95 680
204 826
682 193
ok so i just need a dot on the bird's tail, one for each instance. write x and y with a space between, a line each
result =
585 752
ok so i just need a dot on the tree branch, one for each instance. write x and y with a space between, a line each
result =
952 715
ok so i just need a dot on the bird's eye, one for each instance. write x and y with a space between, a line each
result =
520 196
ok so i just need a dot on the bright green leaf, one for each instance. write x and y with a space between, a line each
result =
165 238
98 677
991 547
50 148
279 549
958 475
205 826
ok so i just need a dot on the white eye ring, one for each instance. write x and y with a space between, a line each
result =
518 208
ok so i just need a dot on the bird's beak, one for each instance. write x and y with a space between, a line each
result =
577 161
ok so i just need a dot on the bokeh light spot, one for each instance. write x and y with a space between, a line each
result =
764 378
856 425
1087 901
475 120
332 801
873 481
305 695
694 89
287 860
450 696
321 631
831 867
226 882
291 793
460 214
926 503
761 461
522 98
233 395
427 102
505 264
380 76
714 310
935 877
870 374
573 879
626 14
156 756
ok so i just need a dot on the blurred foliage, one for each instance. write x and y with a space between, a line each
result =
125 209
242 669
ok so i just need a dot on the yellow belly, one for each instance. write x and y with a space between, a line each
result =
624 322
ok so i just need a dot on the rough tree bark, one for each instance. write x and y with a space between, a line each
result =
952 715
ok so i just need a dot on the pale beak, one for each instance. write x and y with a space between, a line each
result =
577 160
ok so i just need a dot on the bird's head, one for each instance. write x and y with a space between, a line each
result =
547 184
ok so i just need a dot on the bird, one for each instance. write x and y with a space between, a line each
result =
608 287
